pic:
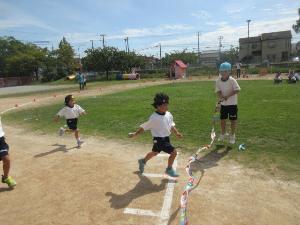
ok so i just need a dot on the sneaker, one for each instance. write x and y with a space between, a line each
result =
221 137
141 165
9 181
232 139
79 143
61 131
171 172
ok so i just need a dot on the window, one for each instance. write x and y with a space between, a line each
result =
254 46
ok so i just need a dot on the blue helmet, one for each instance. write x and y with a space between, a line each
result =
225 66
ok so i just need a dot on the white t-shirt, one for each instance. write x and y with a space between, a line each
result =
238 66
1 129
70 113
227 87
160 125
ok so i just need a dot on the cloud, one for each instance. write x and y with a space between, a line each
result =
159 31
13 17
231 34
201 14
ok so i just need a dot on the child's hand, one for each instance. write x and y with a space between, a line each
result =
179 135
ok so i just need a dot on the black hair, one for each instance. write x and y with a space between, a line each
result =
159 99
67 99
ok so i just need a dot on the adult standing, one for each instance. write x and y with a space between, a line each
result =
238 69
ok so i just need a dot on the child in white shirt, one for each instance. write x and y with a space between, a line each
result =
71 113
161 125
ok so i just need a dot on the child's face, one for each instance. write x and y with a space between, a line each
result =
163 108
224 74
71 103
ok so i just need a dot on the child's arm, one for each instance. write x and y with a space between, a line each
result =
139 131
220 96
83 113
56 118
176 132
231 94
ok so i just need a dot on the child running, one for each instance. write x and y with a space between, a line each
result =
161 125
4 157
71 113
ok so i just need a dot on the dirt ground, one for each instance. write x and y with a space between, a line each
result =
60 184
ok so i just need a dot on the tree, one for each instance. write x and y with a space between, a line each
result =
231 56
65 58
110 58
296 26
101 59
19 59
186 57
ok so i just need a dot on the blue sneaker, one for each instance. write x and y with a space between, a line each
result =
141 165
171 172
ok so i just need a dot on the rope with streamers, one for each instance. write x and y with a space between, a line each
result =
192 184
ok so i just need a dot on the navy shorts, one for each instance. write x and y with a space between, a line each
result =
3 148
228 111
72 123
162 144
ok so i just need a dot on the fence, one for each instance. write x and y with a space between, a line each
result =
15 81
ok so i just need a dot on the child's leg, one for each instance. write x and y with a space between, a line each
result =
149 156
223 126
6 165
76 134
233 126
172 158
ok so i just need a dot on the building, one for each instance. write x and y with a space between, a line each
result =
273 47
209 58
178 69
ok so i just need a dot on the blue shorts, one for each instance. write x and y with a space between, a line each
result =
3 148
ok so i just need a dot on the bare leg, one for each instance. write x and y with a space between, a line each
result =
172 158
223 126
233 126
77 134
149 156
6 165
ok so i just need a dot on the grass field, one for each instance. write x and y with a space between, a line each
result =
269 122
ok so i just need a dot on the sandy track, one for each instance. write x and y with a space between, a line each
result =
59 184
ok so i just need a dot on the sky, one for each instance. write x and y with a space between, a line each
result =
147 23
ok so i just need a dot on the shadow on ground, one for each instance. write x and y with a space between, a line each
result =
142 188
59 148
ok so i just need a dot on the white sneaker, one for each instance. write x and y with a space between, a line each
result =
232 139
61 131
79 143
221 137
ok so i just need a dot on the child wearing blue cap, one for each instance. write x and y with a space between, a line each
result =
227 89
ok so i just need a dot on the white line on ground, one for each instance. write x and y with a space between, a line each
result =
165 211
154 175
141 212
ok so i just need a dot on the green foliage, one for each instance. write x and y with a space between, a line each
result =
231 56
110 58
186 57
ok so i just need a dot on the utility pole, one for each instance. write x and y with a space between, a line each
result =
248 21
160 54
198 47
92 44
126 45
102 35
220 46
